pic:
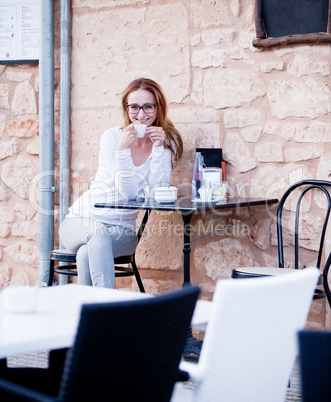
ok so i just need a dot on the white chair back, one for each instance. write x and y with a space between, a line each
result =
250 343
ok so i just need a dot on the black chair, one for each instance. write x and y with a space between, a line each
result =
315 364
69 267
125 351
300 191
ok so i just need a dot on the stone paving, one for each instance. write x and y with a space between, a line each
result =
183 391
39 360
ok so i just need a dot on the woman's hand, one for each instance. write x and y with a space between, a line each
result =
156 135
127 138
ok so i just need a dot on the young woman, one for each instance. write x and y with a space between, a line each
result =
127 164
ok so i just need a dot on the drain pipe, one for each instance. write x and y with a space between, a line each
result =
64 115
46 138
64 108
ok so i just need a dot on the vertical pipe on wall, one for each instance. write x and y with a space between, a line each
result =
64 113
64 108
46 137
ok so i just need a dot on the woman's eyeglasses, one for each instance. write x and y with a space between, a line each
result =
148 108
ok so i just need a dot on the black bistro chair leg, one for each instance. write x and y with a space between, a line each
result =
70 268
137 275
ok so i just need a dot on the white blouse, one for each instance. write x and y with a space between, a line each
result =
118 179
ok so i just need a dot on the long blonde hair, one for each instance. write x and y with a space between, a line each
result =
174 140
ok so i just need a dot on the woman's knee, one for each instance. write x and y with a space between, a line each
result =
113 241
73 233
83 266
82 255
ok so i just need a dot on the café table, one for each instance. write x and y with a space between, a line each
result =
187 208
54 323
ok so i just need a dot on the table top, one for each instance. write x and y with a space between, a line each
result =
54 324
185 204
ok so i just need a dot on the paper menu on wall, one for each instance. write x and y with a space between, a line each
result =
19 30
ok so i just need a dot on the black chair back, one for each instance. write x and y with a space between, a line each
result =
315 362
308 185
307 188
302 218
129 351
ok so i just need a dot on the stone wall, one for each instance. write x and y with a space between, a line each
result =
19 161
268 109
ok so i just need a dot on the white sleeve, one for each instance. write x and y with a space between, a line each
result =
126 179
160 167
116 167
159 171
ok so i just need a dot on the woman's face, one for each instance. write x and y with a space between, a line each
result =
135 101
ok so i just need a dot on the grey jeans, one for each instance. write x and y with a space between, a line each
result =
96 245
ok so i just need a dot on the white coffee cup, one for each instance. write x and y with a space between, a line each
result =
140 130
212 176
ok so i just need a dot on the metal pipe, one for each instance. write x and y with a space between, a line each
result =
64 114
64 108
46 138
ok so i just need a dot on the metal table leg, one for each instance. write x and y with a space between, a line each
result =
193 346
187 247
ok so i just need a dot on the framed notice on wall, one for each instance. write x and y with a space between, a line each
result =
19 31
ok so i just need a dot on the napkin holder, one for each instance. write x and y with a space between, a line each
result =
213 157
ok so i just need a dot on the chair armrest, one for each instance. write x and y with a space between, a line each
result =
182 376
194 370
201 314
9 389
